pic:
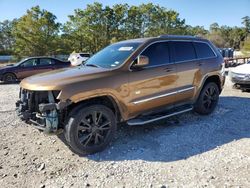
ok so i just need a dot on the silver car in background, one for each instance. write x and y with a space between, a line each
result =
240 75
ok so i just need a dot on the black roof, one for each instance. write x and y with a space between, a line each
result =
170 37
179 36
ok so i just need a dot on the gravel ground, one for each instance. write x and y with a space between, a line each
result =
186 151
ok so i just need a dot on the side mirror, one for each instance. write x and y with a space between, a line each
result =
141 61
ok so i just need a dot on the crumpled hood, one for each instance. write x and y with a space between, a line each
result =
55 80
242 69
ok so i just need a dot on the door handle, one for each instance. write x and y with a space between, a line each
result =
168 69
200 63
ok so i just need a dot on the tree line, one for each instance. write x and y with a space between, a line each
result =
37 32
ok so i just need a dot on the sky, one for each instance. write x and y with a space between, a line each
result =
195 12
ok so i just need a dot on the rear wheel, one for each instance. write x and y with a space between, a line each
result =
90 129
208 99
9 77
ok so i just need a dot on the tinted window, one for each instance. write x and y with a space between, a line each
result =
30 63
203 50
46 61
183 51
157 53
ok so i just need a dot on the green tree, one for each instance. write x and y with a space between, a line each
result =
36 33
89 29
246 46
196 31
246 23
97 26
214 27
6 38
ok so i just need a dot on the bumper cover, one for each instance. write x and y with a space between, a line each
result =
242 81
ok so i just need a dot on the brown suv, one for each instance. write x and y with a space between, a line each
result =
135 81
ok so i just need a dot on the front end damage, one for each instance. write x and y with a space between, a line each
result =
41 108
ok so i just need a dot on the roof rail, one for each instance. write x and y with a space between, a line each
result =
179 36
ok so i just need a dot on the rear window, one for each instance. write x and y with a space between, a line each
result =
46 61
203 50
184 51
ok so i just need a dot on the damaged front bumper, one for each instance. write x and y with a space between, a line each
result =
40 109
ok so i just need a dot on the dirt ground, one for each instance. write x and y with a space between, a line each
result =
187 151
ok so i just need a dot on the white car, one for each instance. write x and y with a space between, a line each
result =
240 75
78 58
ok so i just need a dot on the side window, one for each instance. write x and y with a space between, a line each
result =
203 50
46 61
30 63
184 51
157 53
85 55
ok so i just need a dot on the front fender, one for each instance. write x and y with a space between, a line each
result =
84 96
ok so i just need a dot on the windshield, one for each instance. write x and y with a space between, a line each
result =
20 62
112 56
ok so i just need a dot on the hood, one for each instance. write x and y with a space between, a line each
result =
56 80
6 67
242 69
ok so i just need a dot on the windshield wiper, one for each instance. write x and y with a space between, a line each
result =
92 65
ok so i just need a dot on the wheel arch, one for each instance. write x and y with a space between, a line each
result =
9 72
209 78
106 100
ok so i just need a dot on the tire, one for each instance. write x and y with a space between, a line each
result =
9 77
86 137
208 99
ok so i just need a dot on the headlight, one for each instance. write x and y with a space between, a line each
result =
236 75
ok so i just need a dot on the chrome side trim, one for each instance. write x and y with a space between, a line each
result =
163 95
186 89
156 119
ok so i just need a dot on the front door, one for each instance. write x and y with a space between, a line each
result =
27 68
154 85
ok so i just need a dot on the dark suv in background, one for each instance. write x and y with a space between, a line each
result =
29 67
136 81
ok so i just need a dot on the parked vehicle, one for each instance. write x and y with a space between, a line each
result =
136 81
240 75
29 67
78 58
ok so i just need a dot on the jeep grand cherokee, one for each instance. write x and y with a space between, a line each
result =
136 81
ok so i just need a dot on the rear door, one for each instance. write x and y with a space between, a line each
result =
45 65
205 56
187 67
154 85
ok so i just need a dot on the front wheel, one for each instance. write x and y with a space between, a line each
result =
208 99
9 77
90 129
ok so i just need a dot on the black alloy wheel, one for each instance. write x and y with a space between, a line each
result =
90 129
94 128
208 99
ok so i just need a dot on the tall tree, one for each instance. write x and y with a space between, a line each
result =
246 23
36 33
6 38
97 26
